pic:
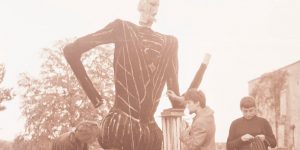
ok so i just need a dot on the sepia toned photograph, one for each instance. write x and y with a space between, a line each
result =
150 75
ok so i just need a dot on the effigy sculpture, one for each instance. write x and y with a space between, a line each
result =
144 61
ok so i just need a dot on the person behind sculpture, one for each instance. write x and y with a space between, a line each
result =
144 61
201 134
249 128
85 133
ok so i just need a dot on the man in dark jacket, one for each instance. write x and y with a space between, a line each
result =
245 131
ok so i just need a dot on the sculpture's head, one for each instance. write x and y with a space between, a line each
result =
148 9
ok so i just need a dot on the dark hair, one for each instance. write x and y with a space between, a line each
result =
196 96
86 127
247 102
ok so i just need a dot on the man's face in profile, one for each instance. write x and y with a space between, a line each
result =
192 106
248 113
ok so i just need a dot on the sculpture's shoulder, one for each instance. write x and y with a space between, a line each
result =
125 23
172 40
168 36
133 25
117 22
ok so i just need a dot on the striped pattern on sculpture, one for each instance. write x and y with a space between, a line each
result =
144 61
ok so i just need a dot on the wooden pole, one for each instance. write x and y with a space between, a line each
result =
171 126
200 73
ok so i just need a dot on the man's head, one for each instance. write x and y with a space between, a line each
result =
195 99
87 131
148 10
248 107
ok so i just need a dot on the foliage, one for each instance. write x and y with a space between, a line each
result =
54 102
267 91
5 93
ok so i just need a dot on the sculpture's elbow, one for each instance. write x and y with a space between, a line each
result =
67 50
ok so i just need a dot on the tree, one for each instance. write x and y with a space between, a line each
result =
267 91
5 93
54 102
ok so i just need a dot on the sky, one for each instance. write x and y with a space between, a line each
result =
245 39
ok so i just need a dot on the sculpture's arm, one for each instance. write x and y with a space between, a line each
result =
73 52
172 81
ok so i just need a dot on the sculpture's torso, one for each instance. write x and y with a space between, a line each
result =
143 61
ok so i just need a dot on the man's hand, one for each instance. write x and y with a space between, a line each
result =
184 125
185 129
261 137
246 137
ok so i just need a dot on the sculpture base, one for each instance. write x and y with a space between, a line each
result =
171 126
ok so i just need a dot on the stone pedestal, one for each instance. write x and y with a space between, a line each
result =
171 126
